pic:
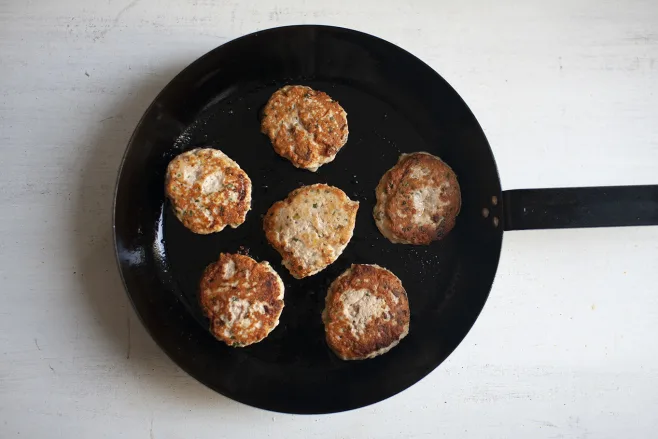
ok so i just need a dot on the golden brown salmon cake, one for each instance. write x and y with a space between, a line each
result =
208 190
311 227
305 126
242 298
366 312
418 200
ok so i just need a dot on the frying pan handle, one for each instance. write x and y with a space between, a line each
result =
612 206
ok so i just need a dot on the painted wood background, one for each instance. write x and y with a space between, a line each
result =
567 92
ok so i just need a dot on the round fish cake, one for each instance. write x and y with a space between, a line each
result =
311 227
208 190
305 126
366 312
418 200
242 298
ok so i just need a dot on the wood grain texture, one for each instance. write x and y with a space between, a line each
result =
567 92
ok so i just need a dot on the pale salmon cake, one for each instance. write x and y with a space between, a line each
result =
305 126
418 200
366 312
208 191
311 227
242 298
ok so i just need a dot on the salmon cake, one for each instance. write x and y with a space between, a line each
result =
418 200
242 298
208 191
366 312
311 227
305 126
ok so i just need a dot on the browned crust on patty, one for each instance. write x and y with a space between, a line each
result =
201 212
402 219
381 332
250 282
330 217
305 126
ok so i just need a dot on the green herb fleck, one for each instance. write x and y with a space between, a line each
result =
315 205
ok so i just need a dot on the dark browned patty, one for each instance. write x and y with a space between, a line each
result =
305 126
242 298
366 312
208 190
418 200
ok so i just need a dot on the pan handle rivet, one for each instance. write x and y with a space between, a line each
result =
485 212
494 200
495 221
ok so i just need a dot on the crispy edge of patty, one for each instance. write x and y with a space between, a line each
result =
316 140
296 267
381 335
396 180
267 288
184 205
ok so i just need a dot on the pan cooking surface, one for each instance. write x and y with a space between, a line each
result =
378 135
395 104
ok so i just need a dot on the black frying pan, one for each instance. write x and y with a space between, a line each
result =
395 104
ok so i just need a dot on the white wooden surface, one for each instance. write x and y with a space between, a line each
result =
567 92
